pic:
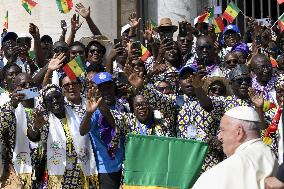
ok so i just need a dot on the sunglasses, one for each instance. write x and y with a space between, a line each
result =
241 80
161 89
60 49
207 47
215 89
99 51
232 61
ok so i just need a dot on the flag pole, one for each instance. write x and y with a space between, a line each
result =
277 20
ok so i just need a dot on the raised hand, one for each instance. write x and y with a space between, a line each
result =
84 12
16 98
117 49
56 62
93 99
34 31
197 80
75 23
148 32
133 20
256 98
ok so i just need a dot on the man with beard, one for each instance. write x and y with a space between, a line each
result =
206 61
263 81
100 128
188 115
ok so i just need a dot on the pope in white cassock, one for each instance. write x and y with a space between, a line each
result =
249 160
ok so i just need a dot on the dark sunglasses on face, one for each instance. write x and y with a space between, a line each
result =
60 49
92 51
9 43
161 89
26 85
215 89
243 79
207 47
231 61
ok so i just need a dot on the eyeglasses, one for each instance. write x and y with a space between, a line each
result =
207 47
141 105
92 51
243 79
68 85
266 66
60 49
215 89
26 85
231 61
162 89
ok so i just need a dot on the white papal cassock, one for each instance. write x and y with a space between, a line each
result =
247 168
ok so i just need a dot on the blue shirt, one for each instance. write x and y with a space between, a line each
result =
104 162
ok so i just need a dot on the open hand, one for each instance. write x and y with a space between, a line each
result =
133 20
256 98
84 12
93 99
56 62
75 23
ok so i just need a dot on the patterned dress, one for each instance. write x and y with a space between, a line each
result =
192 120
268 91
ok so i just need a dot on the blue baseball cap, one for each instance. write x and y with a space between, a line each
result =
9 35
232 28
102 77
186 69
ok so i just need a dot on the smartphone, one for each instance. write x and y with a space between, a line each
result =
136 45
117 41
29 93
63 24
182 29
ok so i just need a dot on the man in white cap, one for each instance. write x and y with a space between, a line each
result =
249 160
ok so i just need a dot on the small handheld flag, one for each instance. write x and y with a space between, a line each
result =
281 22
28 5
6 25
231 12
64 6
219 25
145 53
74 68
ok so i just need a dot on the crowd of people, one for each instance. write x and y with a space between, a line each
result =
223 89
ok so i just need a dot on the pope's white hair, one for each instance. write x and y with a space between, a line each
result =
250 127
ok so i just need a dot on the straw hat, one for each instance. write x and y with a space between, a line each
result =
166 23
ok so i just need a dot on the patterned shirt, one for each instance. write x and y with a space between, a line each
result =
128 123
268 91
192 121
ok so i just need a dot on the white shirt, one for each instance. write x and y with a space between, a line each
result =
247 168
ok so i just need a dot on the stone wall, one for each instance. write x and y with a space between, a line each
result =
47 17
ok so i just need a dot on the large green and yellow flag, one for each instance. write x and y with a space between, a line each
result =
162 162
